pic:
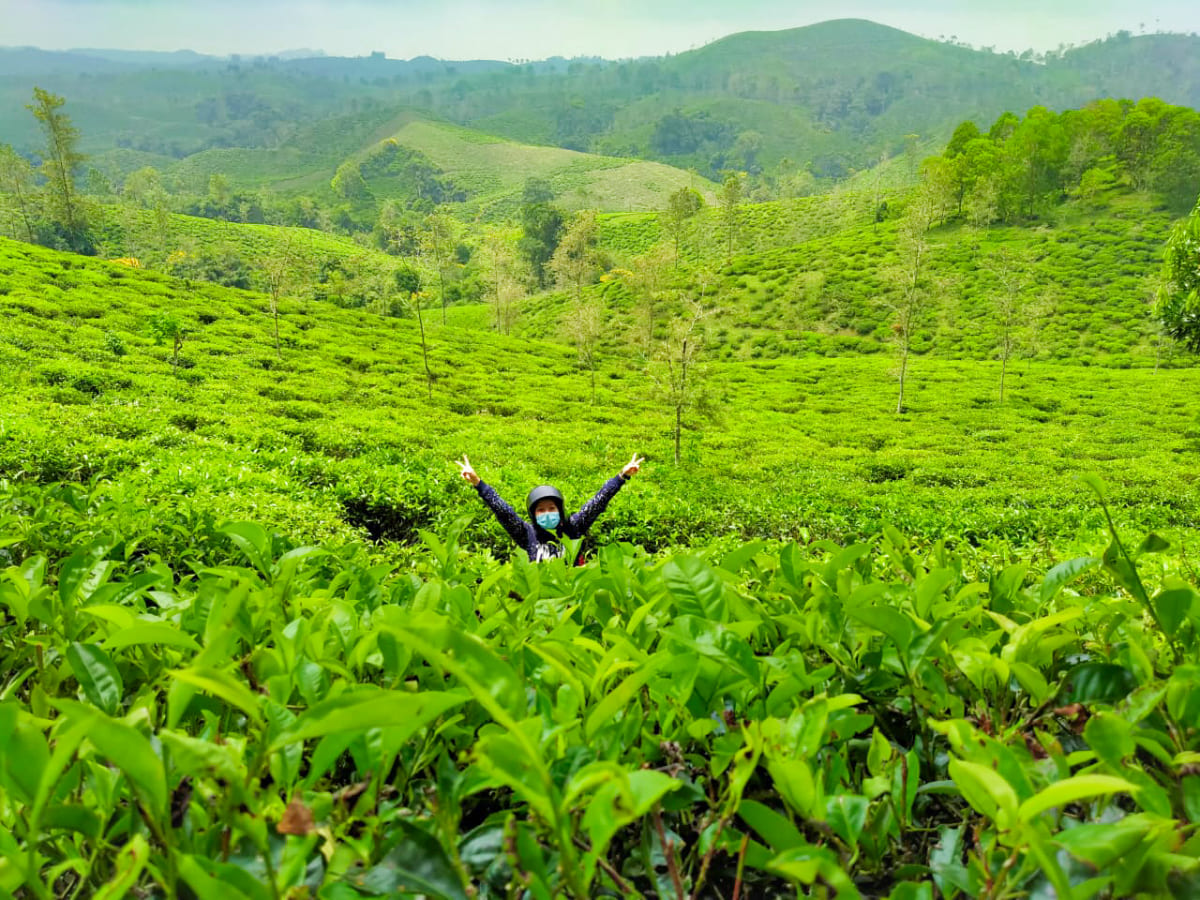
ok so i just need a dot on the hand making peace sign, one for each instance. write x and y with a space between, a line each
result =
467 472
632 468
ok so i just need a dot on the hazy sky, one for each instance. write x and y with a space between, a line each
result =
535 29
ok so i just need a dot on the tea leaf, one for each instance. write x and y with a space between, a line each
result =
1072 790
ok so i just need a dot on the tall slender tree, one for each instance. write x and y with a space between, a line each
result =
909 277
731 198
648 280
575 261
282 270
61 159
1011 270
506 276
682 205
675 368
437 245
584 326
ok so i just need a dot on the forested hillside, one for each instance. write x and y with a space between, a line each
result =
826 98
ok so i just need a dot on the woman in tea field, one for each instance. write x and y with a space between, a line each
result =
541 537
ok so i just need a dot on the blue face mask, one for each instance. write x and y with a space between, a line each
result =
548 520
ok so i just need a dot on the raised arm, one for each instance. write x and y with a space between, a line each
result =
581 521
516 527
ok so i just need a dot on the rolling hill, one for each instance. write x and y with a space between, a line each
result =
817 275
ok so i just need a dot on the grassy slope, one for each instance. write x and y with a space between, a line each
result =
303 164
249 240
493 171
339 436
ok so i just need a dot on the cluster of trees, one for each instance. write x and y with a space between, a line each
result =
232 118
1179 298
414 186
42 203
54 201
1021 166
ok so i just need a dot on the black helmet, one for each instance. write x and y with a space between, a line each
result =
544 492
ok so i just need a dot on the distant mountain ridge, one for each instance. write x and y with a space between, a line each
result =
835 95
830 98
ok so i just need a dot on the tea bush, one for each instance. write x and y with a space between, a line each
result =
263 719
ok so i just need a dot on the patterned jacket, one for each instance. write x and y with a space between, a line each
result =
539 543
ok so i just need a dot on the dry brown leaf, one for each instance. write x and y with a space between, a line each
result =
297 819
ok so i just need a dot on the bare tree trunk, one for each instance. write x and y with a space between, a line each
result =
424 350
24 213
678 427
1005 353
903 372
442 289
64 174
275 316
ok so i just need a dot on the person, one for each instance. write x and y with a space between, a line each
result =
541 537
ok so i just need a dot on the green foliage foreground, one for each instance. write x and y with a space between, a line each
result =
860 721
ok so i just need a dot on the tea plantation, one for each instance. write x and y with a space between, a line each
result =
259 640
818 276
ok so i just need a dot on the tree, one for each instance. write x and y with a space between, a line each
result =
348 183
396 230
18 186
60 161
414 303
682 205
541 226
165 327
97 184
583 326
1011 271
675 369
938 177
437 245
220 193
1178 305
506 276
1175 166
978 185
878 206
983 206
746 149
909 277
912 154
1137 138
965 133
647 279
1038 152
284 269
731 197
144 189
576 261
